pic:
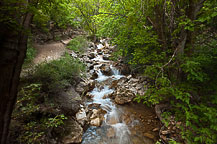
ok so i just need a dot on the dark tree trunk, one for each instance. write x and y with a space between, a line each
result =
12 53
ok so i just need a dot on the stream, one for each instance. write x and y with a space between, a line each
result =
122 124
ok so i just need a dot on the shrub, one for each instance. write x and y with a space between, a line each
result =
58 74
78 44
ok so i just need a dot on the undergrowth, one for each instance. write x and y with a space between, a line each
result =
78 44
194 98
37 118
58 74
33 120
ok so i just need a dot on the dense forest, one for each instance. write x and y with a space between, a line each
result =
170 44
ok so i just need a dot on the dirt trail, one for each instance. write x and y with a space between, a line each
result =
49 51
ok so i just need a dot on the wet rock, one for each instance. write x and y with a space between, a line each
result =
149 122
107 51
91 56
106 70
86 59
148 135
127 119
94 76
105 57
106 45
75 132
89 95
141 92
99 51
81 116
129 76
97 117
110 95
95 122
91 67
164 138
94 114
94 106
73 54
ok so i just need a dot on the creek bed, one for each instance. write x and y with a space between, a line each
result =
122 124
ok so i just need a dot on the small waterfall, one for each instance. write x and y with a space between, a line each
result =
101 77
112 118
116 72
98 96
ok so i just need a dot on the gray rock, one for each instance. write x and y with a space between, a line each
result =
81 116
69 101
106 70
75 132
81 87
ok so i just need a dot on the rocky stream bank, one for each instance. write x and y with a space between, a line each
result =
106 112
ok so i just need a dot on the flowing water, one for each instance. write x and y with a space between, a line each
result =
120 125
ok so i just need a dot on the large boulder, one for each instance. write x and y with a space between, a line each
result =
106 70
74 132
97 117
81 116
69 101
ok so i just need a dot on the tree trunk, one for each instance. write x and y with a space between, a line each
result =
13 46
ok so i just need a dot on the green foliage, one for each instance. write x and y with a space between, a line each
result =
78 44
30 53
34 128
27 100
60 12
146 35
56 121
58 74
